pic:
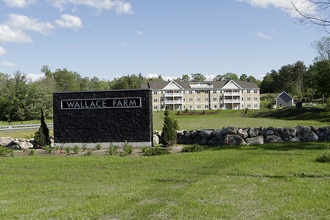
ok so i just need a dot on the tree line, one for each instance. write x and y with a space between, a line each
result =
22 99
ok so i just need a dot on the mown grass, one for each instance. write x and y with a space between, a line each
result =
254 118
249 182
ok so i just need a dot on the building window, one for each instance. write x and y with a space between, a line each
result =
242 98
248 105
206 92
190 92
198 92
199 107
242 106
162 99
155 92
190 106
155 100
220 98
206 99
198 99
155 107
191 99
248 91
184 107
255 91
248 98
215 106
214 99
206 106
255 105
255 98
184 92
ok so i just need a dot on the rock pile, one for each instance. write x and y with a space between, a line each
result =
251 136
21 143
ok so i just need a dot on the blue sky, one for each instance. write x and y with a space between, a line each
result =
113 38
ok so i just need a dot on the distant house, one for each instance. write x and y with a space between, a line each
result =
284 100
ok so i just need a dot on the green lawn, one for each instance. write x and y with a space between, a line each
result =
238 119
273 181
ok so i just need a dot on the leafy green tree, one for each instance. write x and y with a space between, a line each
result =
169 136
243 77
198 77
322 70
322 47
185 78
230 76
218 78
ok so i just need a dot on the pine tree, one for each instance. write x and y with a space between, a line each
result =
41 137
168 137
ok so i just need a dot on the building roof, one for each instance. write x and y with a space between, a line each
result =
187 85
285 97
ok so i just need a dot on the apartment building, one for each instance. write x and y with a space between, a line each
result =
213 95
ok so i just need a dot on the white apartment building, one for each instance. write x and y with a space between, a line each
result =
213 95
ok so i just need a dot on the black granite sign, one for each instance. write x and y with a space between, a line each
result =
103 117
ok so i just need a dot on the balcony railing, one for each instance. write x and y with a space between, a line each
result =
173 94
231 94
178 101
232 100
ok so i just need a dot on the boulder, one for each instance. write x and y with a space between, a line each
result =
273 139
214 142
321 135
200 140
229 130
253 132
5 141
155 139
285 134
295 139
218 133
206 134
312 137
179 133
233 139
24 144
255 140
185 140
242 133
270 132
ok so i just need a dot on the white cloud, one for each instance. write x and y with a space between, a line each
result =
23 22
139 32
285 5
7 34
120 6
2 51
19 3
210 77
6 63
152 75
69 21
34 77
264 36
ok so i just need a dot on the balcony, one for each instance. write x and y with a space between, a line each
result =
173 94
232 100
175 101
231 94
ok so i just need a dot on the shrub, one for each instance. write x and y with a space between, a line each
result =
32 152
48 149
89 153
324 157
168 137
3 151
193 148
144 149
41 137
12 152
203 112
76 149
186 110
153 151
57 147
98 147
84 146
128 149
178 113
113 149
67 150
327 102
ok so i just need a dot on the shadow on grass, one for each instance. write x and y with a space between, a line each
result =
298 175
279 146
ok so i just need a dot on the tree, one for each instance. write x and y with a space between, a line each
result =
185 78
243 77
322 47
218 78
197 77
322 70
168 137
41 137
318 12
230 76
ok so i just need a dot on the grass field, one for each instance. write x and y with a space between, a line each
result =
273 181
